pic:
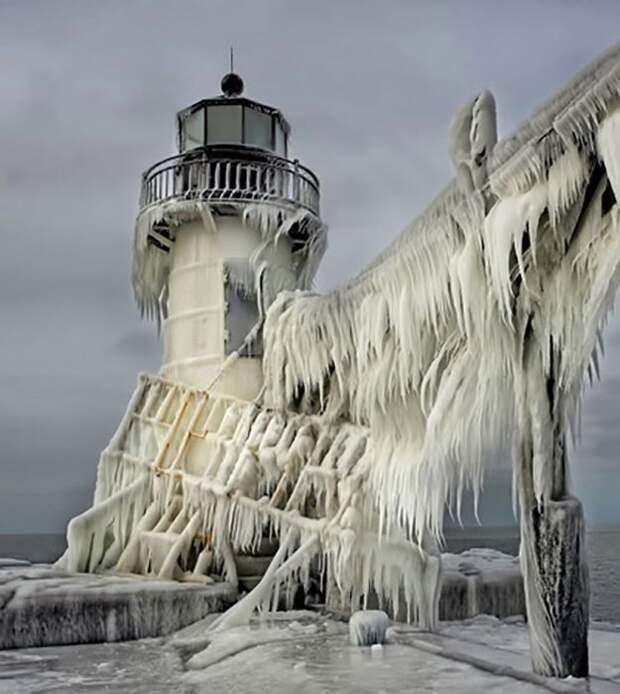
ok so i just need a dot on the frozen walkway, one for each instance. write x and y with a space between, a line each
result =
307 654
502 648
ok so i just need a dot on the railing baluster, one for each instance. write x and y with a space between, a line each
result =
216 177
243 176
296 181
201 176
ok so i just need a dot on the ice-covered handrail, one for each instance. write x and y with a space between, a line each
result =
519 161
86 532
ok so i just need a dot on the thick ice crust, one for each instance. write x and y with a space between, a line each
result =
44 606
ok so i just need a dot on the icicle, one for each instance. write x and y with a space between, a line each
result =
566 177
608 145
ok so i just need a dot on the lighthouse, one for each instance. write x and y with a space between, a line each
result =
223 226
204 481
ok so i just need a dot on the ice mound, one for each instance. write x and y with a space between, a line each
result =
477 581
368 627
481 581
44 606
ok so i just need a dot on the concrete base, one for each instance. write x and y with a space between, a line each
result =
43 606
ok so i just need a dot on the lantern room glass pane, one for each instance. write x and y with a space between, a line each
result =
224 125
258 129
280 140
194 130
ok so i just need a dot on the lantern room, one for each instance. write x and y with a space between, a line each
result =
231 119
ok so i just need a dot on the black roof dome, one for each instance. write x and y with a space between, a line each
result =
232 84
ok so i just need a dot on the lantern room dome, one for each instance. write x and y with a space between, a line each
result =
233 120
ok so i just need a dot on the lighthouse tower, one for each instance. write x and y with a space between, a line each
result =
223 226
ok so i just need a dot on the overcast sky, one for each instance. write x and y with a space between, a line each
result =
88 93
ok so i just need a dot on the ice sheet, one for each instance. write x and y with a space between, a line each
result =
304 660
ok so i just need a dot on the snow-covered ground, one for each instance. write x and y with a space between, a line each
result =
305 653
293 651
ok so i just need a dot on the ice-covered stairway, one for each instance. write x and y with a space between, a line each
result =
191 480
252 565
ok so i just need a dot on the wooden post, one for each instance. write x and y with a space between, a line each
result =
553 558
556 587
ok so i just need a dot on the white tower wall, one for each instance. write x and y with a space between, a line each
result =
195 329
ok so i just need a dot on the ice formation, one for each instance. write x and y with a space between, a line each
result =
479 656
192 478
43 606
478 326
151 262
480 581
368 627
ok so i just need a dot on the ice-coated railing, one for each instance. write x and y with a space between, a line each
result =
206 175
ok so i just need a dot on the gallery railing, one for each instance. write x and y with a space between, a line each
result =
200 175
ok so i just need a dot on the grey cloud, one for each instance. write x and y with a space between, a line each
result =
137 343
